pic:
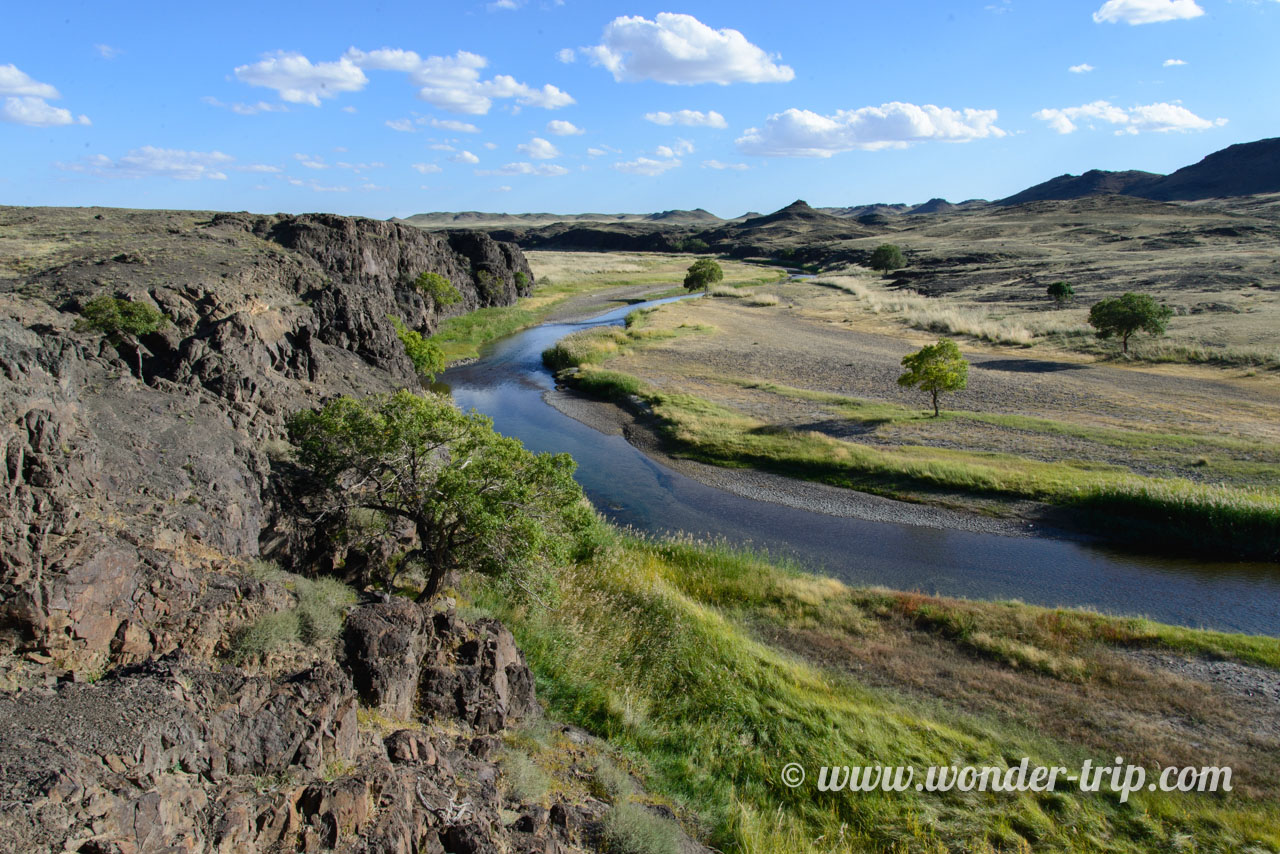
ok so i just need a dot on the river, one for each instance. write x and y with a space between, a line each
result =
509 383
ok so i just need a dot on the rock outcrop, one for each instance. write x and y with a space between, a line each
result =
125 498
135 509
171 755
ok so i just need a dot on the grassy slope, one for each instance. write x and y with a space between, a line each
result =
664 649
1235 518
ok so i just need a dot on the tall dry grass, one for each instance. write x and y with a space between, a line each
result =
949 317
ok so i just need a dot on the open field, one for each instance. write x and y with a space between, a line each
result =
576 281
711 669
807 388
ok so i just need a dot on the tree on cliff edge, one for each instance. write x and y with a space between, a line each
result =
474 498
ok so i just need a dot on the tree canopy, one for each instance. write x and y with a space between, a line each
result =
427 357
442 292
887 258
1127 314
936 368
702 274
1061 293
473 498
121 320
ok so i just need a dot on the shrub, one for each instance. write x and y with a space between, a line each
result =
121 321
887 258
702 274
631 829
522 778
1061 293
442 292
427 357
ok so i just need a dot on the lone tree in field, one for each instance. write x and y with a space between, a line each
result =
702 274
936 368
1127 314
473 498
887 258
1061 293
121 321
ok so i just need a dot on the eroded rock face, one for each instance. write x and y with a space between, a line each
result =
125 498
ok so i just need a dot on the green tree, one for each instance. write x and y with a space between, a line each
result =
427 357
887 258
473 498
442 292
936 368
702 274
1061 293
121 321
1127 314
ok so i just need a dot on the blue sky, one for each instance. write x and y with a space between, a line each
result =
397 108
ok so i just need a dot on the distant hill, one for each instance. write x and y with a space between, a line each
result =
1095 182
1246 169
479 219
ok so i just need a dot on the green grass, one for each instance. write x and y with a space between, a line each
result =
1235 521
464 336
314 620
657 647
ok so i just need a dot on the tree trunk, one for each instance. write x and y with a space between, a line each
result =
935 405
433 585
1124 343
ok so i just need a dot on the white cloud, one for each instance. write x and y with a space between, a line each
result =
454 83
802 133
1159 118
566 55
261 168
37 112
311 161
15 82
678 148
500 5
646 166
106 51
596 152
348 109
151 162
317 186
559 127
27 104
402 125
1169 63
1082 68
246 109
539 149
1136 12
716 164
425 168
680 49
689 118
298 81
544 169
465 157
453 125
491 146
440 146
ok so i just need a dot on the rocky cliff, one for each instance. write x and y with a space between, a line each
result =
136 508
